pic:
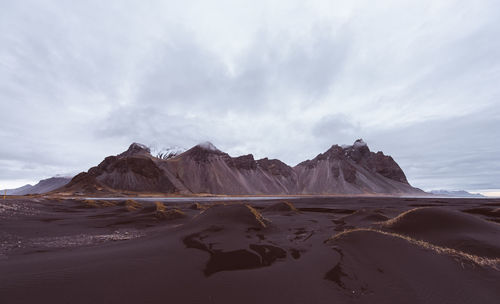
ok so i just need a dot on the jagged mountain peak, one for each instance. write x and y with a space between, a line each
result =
207 146
206 169
203 151
136 148
358 154
357 151
359 143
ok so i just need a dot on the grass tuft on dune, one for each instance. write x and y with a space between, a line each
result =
132 205
91 203
104 203
258 216
98 204
160 207
457 254
168 214
197 206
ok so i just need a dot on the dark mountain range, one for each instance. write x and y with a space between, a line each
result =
43 186
205 169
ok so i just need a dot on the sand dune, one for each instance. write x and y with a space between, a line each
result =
133 251
364 216
378 267
489 213
449 228
230 215
282 207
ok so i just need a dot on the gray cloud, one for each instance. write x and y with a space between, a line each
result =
336 128
417 80
453 153
267 72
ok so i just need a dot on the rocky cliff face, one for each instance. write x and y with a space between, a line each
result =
133 170
205 169
352 169
208 170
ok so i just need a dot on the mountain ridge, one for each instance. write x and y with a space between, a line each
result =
206 169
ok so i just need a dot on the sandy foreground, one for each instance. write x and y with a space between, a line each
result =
308 250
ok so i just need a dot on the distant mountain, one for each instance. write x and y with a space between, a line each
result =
43 186
15 191
350 169
458 193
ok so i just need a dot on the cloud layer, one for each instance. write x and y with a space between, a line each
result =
281 79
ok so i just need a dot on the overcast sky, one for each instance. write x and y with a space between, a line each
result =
419 80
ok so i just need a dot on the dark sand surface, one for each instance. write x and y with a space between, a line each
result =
310 250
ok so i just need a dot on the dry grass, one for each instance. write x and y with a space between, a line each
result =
457 254
292 207
91 204
197 206
171 214
168 214
104 203
398 218
283 206
263 221
132 205
160 207
98 203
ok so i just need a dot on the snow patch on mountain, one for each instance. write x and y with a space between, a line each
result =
168 152
359 143
208 146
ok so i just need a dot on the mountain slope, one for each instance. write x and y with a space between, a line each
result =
205 169
133 170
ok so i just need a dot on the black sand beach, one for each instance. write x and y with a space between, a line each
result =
307 250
